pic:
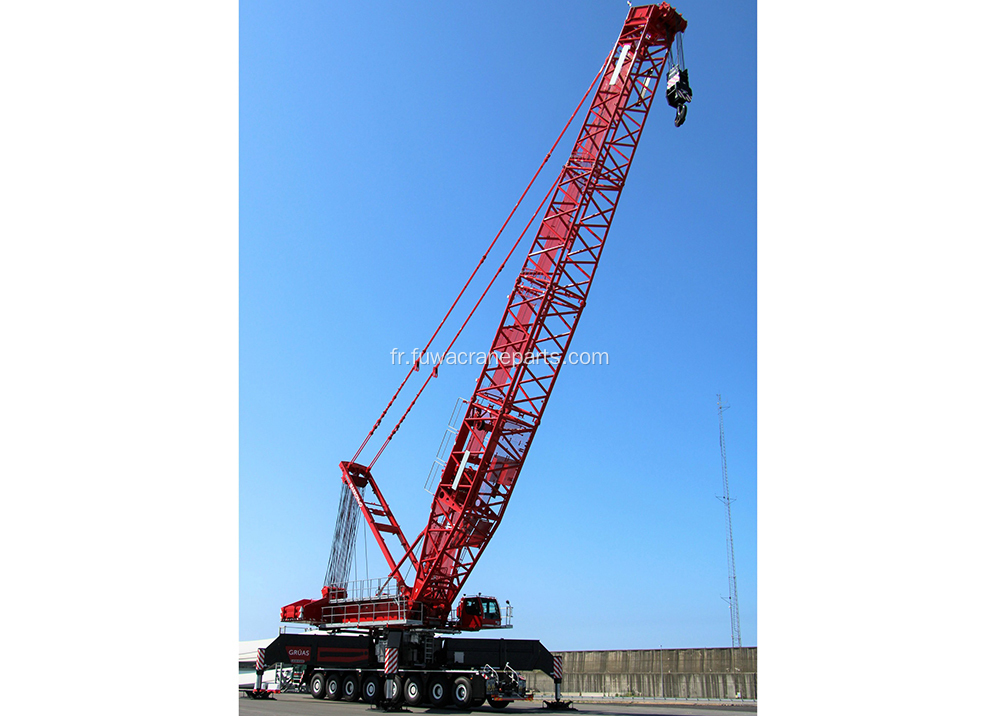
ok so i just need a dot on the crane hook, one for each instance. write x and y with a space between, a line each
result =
678 92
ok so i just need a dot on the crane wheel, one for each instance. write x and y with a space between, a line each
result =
394 690
461 692
498 703
437 691
317 685
350 689
333 687
370 688
413 691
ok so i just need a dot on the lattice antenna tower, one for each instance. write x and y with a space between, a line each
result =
734 602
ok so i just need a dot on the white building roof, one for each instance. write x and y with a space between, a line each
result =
248 649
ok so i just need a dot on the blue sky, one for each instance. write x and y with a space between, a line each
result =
381 147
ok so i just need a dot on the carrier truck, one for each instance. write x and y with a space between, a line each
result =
393 666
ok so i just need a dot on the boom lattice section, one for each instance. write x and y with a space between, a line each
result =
541 314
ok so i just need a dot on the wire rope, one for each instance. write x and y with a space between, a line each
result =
416 364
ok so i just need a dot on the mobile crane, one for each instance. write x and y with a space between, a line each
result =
385 639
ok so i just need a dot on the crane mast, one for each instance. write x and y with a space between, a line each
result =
529 347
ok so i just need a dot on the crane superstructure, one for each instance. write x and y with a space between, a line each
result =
511 394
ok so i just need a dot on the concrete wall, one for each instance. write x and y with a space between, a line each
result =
664 673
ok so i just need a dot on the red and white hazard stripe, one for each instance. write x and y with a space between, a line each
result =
557 667
391 659
260 660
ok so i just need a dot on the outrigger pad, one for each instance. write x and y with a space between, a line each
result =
262 694
560 705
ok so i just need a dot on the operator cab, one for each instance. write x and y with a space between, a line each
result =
479 612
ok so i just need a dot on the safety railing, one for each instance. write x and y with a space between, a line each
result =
369 601
364 589
380 611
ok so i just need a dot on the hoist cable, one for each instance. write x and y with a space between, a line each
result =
416 363
441 357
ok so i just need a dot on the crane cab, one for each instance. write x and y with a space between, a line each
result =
479 612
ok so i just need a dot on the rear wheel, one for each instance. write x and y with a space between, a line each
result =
350 689
437 691
369 688
497 703
317 685
461 692
332 687
476 703
413 691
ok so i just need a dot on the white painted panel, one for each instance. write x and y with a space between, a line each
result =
461 469
620 64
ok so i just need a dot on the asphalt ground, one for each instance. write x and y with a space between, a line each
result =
306 705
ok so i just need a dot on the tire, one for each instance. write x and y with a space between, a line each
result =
413 691
498 703
476 703
317 685
370 686
333 687
438 692
461 692
350 688
394 690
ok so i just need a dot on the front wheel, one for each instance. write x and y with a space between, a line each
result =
317 685
461 692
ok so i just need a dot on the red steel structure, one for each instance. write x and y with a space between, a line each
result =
535 333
